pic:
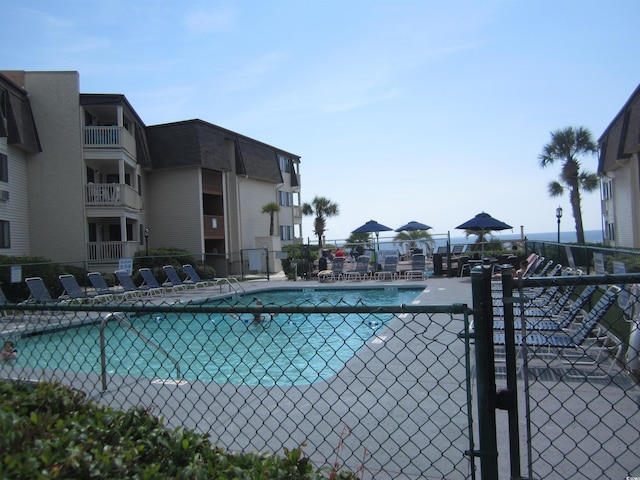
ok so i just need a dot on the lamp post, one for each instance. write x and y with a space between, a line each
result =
146 240
559 216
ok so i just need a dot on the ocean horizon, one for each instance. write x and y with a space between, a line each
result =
590 236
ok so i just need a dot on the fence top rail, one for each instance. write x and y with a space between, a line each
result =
607 279
149 307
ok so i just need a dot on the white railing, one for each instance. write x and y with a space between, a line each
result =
109 137
106 250
113 194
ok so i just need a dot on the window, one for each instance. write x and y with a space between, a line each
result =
285 199
286 232
4 168
5 237
607 189
610 232
285 164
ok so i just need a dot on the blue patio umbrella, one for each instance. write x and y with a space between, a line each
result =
372 227
483 222
412 226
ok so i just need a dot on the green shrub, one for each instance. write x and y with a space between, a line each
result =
52 431
31 267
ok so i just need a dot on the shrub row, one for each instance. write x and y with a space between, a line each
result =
52 431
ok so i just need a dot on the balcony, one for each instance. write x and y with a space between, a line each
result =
297 214
113 194
109 137
110 251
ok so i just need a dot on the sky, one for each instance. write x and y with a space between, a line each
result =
400 110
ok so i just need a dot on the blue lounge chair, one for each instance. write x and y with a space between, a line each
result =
361 270
73 291
129 288
389 268
150 283
38 291
174 280
418 267
334 273
99 284
194 279
556 321
573 338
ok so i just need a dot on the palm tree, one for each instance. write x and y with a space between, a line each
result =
566 146
322 208
412 238
271 208
358 242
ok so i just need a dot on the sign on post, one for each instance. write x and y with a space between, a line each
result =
126 264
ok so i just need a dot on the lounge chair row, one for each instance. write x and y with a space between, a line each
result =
389 269
101 292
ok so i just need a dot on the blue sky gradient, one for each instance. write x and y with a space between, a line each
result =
401 110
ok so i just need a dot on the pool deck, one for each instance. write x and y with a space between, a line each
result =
189 406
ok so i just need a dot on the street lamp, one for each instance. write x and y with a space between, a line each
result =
146 239
559 216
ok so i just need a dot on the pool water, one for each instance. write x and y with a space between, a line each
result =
286 350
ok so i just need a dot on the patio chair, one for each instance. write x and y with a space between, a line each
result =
361 270
38 291
418 266
149 282
552 321
570 338
130 290
174 280
99 284
192 277
73 291
389 268
334 273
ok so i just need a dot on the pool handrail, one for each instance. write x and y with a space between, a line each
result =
122 321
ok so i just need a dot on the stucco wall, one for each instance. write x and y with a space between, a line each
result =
56 176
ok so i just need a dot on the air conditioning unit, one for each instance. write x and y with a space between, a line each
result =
4 195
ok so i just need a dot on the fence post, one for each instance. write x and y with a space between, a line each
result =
508 399
485 371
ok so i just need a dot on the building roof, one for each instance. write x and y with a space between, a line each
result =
20 127
199 143
621 139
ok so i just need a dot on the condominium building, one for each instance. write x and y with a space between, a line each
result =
619 172
86 181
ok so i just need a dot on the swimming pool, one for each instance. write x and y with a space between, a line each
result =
291 349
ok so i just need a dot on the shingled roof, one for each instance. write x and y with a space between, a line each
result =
621 139
199 143
20 128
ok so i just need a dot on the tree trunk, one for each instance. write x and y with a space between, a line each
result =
574 197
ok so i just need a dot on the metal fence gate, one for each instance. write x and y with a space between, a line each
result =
557 400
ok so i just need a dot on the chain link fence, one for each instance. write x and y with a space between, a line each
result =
566 373
371 386
543 383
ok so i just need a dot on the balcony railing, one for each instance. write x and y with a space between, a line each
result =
113 194
109 137
111 250
297 212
